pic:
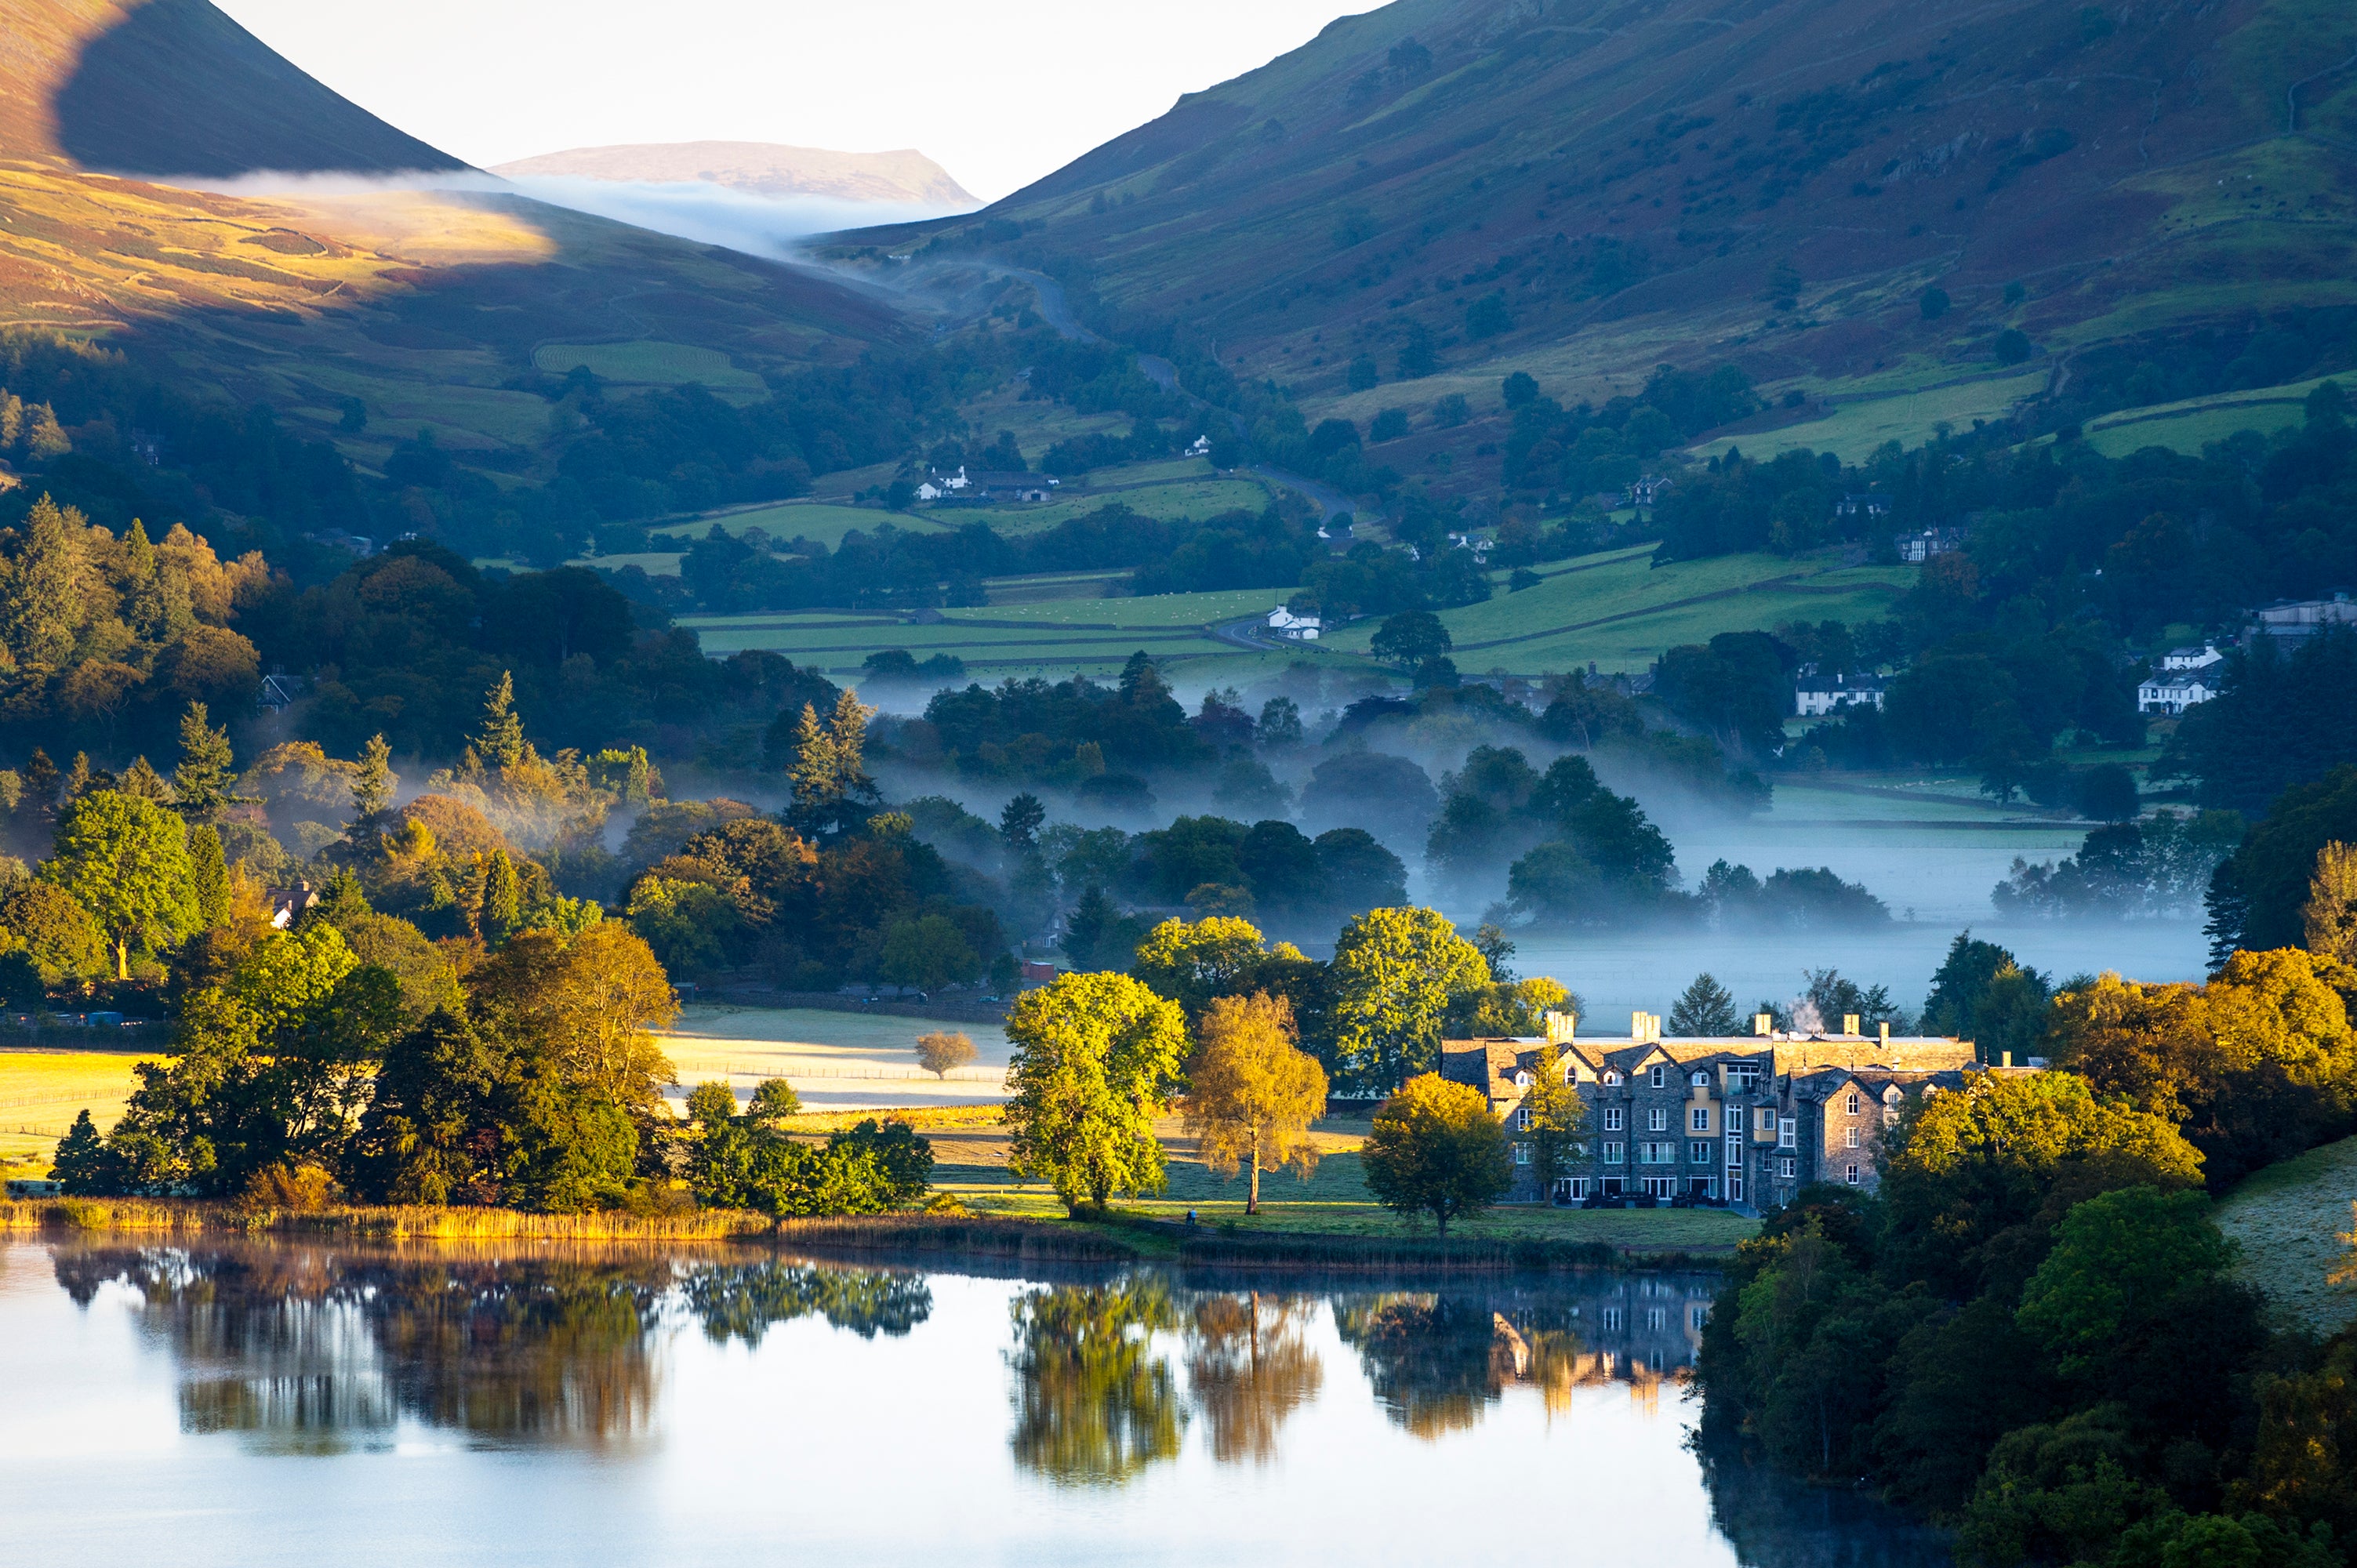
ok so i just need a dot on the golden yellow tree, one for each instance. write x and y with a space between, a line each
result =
1253 1093
593 1000
2329 919
943 1050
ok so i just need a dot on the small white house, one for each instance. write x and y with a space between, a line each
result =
1201 448
2199 658
1301 629
1813 696
2173 692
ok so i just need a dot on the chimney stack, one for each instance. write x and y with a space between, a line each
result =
1850 1023
1886 1031
1761 1023
1560 1028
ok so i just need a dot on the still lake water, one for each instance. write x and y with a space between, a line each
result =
515 1403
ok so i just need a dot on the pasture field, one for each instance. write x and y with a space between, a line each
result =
2288 1221
1867 417
42 1090
824 521
2189 425
649 362
1621 612
971 1163
1051 636
836 1062
1206 496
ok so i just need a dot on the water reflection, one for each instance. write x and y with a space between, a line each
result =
626 1361
1096 1399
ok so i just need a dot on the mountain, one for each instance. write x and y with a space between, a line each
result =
427 306
758 168
1585 187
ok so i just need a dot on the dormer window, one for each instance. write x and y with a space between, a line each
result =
1611 1078
1523 1078
1657 1075
1702 1080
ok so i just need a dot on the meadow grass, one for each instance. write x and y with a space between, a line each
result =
2289 1220
1868 416
647 362
41 1091
390 1222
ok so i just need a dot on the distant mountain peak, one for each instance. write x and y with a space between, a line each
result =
761 169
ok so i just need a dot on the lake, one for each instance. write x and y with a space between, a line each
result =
262 1403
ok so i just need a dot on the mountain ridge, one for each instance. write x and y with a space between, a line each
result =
761 169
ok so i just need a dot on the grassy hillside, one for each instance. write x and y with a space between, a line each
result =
2289 1220
423 304
1775 184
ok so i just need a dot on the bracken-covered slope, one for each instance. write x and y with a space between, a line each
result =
1646 180
422 304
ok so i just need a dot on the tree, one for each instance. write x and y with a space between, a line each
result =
54 934
1434 1149
1519 391
1191 962
500 742
2329 918
1396 973
944 1051
125 860
372 786
1705 1009
209 869
82 1166
502 907
1021 821
773 1097
1408 639
1252 1093
203 779
2117 1258
1094 1056
927 953
1553 1120
1934 302
584 1004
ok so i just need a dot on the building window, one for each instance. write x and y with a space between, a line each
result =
1657 1318
1763 1117
1788 1132
1522 1117
1611 1320
1662 1187
1657 1120
1612 1115
1657 1076
1611 1078
1787 1167
1571 1189
1849 1173
1742 1078
1855 1138
1700 1117
1734 1149
1614 1153
1853 1102
1734 1186
1698 1152
1521 1154
1700 1080
1698 1316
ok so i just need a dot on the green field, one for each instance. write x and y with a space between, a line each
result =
2189 425
1867 417
41 1091
1194 498
1055 636
971 1163
2289 1221
824 521
1621 612
649 363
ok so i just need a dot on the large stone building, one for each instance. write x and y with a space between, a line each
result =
1746 1119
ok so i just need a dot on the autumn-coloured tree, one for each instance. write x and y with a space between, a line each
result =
2329 918
943 1050
1252 1092
1434 1149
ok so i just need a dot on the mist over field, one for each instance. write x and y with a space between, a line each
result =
714 215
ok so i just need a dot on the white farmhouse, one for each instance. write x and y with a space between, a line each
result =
1814 696
2174 691
2201 658
1301 629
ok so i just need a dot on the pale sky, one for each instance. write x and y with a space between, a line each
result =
997 92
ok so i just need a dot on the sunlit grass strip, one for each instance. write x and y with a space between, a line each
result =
392 1222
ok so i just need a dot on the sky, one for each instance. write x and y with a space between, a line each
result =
998 92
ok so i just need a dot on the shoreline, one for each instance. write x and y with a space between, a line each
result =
1117 1238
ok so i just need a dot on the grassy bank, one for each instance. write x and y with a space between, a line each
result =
2289 1220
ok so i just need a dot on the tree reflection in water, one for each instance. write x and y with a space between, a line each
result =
1436 1363
1095 1402
1248 1369
317 1350
745 1301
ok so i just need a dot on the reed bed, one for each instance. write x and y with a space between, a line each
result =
395 1222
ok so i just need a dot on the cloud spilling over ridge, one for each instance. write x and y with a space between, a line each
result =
717 215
